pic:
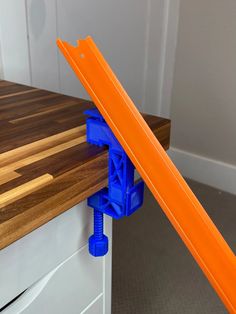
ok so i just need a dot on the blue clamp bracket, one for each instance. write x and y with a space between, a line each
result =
122 197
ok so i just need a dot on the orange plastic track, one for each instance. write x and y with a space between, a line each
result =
184 211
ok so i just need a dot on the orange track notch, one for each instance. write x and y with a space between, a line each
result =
182 208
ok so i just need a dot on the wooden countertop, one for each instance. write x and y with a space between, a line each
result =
46 166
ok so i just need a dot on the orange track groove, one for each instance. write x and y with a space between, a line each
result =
182 208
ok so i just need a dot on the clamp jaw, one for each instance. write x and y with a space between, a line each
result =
122 197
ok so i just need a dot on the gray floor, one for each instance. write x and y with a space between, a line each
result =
153 271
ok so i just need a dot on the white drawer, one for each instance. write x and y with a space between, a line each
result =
96 307
70 288
35 255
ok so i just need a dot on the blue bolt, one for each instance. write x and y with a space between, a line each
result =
98 242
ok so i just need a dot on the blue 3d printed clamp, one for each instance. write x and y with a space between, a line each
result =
122 197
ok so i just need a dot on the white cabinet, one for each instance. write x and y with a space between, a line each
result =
95 307
69 288
53 266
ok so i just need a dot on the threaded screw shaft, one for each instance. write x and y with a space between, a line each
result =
98 225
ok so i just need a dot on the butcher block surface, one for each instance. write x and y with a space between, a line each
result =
46 166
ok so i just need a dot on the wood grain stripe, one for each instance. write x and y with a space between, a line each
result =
42 155
19 93
4 178
24 189
6 83
16 101
41 143
23 223
55 108
76 176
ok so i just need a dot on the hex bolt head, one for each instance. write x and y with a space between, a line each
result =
98 247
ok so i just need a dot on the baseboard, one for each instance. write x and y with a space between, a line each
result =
208 171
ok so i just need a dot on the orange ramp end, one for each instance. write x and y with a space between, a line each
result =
180 205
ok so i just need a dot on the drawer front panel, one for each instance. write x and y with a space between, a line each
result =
70 288
35 255
95 308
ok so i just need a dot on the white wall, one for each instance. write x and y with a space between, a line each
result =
42 28
132 34
1 65
203 110
119 29
13 38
